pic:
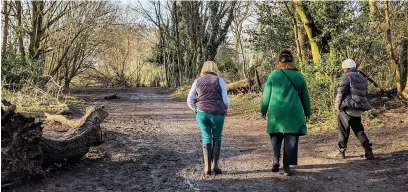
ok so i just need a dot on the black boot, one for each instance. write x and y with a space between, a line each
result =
216 156
207 159
368 150
286 170
276 141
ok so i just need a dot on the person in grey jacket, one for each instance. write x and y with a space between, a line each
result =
351 101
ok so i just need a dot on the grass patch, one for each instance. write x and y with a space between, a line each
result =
35 100
246 104
181 93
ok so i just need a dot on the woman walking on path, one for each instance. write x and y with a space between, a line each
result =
208 98
286 101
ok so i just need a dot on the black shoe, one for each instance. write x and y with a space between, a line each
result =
338 154
275 168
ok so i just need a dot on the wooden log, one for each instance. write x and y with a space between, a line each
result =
25 152
72 149
113 96
92 114
236 85
243 86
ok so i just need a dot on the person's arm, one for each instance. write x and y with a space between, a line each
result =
266 96
224 93
342 92
192 96
305 99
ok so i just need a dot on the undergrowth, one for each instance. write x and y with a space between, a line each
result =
32 99
181 93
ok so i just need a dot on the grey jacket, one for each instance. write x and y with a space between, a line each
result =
352 93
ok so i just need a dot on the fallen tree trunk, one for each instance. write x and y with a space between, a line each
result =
238 87
25 152
243 86
72 149
92 114
21 155
372 81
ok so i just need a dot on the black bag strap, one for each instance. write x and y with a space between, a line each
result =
293 84
297 91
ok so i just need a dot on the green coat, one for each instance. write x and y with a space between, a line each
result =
284 106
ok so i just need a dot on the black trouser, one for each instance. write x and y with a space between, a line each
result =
290 148
346 121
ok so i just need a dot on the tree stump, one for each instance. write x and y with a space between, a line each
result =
25 152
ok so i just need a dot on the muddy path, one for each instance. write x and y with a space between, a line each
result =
153 144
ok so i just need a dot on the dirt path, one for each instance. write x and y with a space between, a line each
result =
153 144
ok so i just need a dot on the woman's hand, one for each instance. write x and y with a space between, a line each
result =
264 116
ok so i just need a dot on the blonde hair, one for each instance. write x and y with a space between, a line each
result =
209 67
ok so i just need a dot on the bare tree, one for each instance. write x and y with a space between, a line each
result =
6 12
241 13
203 26
398 67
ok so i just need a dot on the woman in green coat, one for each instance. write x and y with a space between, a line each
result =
286 103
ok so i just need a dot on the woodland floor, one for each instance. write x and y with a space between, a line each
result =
153 144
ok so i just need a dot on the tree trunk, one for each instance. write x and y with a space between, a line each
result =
391 55
19 30
239 18
311 31
178 46
36 32
25 152
218 32
373 10
296 32
66 84
257 80
5 29
303 46
255 60
404 60
73 149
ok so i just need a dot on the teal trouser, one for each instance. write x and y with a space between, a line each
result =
211 126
